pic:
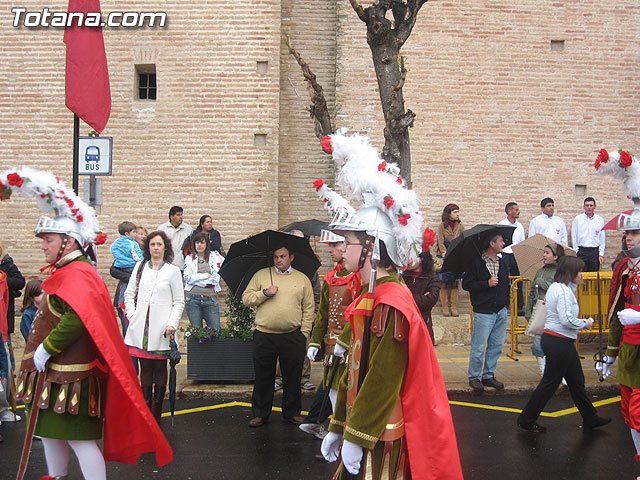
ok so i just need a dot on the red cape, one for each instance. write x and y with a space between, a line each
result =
431 438
4 306
129 428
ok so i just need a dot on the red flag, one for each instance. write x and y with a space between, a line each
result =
87 78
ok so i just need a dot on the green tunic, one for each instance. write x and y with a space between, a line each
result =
628 354
320 327
388 359
66 426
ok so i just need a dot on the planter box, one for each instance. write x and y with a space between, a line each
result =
220 360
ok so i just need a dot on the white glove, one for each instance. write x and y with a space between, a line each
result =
40 358
629 316
604 367
331 446
339 350
312 352
351 457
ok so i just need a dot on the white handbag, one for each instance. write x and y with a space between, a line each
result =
535 327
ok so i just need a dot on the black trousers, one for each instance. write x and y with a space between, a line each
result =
591 258
562 362
267 348
316 414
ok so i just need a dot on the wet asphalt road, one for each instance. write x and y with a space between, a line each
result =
215 443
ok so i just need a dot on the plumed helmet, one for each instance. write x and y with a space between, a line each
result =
63 225
327 236
630 221
371 220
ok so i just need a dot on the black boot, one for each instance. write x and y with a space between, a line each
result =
147 393
158 399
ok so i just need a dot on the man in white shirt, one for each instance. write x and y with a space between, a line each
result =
513 213
549 224
587 236
177 231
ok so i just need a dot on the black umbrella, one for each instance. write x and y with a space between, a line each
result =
174 359
311 228
471 243
253 253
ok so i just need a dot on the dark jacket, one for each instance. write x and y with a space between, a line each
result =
214 239
15 282
486 299
425 282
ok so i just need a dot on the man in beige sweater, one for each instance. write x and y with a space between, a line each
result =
283 298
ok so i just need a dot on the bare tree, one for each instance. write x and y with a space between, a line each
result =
385 38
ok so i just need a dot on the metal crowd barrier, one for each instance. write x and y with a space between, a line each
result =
517 325
587 295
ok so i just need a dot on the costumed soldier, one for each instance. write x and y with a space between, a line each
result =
76 376
339 289
392 406
624 296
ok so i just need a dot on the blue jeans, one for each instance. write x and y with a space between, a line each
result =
489 332
205 307
536 347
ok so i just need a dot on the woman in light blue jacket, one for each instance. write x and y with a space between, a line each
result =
558 343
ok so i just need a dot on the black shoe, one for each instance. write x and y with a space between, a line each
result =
476 384
534 427
596 422
492 382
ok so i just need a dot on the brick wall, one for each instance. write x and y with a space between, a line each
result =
500 115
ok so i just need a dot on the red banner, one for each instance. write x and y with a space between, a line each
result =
87 77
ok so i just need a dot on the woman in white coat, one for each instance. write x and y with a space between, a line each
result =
154 302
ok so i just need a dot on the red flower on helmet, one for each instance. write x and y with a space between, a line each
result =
326 144
429 239
603 157
399 180
625 159
388 202
403 219
382 167
318 184
14 179
100 239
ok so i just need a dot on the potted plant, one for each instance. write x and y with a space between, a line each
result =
225 354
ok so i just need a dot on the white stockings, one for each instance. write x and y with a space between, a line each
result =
89 456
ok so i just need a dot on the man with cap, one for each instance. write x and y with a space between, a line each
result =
392 397
76 377
339 289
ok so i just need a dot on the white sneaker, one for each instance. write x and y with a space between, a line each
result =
317 430
8 416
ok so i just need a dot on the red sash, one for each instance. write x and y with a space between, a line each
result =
129 427
631 334
431 438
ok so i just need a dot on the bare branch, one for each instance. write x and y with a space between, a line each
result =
359 10
404 26
318 108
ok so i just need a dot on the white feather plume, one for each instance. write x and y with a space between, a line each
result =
612 166
377 183
52 196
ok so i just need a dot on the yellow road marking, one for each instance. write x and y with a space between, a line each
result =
559 413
